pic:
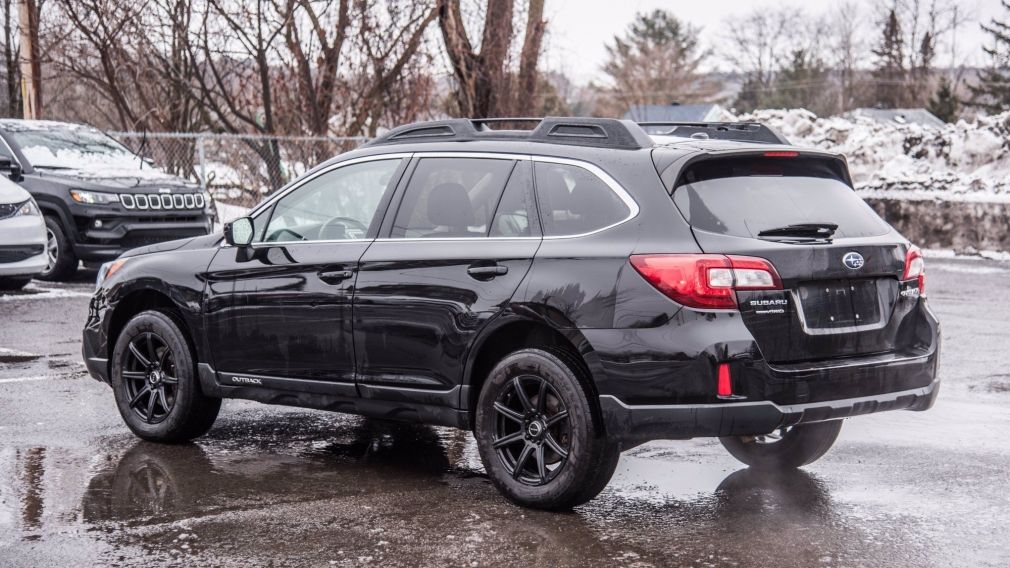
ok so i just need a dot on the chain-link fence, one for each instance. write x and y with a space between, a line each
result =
237 169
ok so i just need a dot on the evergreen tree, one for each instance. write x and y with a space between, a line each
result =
801 84
992 93
890 73
657 62
944 104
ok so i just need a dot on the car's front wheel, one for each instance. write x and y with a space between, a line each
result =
155 381
539 440
785 448
61 263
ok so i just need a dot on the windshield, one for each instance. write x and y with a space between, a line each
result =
746 206
71 146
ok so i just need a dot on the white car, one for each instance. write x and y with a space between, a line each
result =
22 237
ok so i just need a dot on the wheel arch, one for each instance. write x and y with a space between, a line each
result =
140 300
512 332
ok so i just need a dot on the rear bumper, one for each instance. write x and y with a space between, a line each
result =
641 423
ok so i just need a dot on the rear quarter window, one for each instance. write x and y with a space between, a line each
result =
575 201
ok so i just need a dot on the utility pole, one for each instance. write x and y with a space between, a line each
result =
31 79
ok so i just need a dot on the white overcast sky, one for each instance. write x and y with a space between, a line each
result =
579 29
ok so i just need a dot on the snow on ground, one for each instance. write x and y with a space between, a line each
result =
966 161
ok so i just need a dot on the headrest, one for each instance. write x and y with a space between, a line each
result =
449 206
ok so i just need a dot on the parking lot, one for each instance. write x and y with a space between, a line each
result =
282 486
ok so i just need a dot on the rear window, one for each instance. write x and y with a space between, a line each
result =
745 206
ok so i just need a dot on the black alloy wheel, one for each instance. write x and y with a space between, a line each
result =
532 430
151 377
155 380
540 439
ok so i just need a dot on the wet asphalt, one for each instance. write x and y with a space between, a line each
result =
273 486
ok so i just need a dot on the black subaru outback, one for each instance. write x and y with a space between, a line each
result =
566 292
99 198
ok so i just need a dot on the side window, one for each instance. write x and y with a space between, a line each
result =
5 152
516 215
451 197
337 205
574 200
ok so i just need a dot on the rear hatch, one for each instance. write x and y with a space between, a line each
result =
839 263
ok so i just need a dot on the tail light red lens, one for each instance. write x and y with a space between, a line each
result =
706 281
724 386
915 268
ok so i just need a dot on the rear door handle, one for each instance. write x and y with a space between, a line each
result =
335 276
487 271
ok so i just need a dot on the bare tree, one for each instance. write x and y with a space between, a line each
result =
11 73
758 44
847 50
485 82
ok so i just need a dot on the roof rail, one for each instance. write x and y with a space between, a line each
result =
574 131
740 131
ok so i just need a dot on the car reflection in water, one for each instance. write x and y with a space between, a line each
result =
420 484
165 482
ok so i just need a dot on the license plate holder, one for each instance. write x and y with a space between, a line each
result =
839 303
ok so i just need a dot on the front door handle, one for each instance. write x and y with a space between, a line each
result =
335 276
480 272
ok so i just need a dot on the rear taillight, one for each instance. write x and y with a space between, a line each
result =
915 268
706 281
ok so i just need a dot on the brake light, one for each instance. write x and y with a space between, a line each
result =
781 154
706 281
915 267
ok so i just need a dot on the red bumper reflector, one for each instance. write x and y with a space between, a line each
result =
725 386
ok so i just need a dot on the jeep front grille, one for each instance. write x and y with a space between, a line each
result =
162 201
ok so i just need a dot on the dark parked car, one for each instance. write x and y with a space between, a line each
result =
566 292
98 197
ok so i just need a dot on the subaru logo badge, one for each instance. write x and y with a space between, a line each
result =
853 260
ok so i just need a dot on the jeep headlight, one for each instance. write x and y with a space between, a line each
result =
93 197
28 209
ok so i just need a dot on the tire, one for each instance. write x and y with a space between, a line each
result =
11 283
558 402
160 360
798 446
65 264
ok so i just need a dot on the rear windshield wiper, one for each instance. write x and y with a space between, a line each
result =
802 230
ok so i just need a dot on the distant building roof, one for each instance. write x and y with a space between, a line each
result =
918 116
704 112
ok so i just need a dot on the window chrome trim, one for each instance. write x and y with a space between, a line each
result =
622 194
295 184
606 178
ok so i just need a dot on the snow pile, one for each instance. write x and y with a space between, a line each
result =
967 161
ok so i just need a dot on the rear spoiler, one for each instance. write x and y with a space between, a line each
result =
673 169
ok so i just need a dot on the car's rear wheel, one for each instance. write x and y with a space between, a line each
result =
14 283
61 263
539 440
155 381
785 448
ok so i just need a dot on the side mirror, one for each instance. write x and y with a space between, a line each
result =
239 233
15 170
